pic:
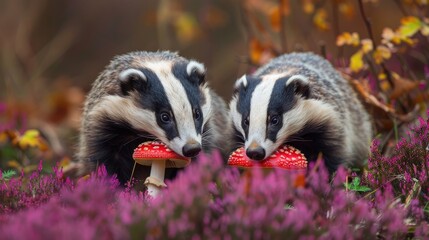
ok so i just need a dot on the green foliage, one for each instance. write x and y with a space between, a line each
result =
356 186
8 174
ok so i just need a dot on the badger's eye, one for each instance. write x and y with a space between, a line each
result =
246 121
274 120
197 114
165 117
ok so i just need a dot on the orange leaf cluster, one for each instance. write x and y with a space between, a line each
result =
260 53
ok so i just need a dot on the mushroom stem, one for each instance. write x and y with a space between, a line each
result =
155 181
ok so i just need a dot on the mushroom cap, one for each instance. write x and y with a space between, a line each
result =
286 157
147 152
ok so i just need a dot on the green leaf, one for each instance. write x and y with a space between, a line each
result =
409 26
8 174
356 187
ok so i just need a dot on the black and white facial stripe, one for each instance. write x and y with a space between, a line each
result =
267 110
168 100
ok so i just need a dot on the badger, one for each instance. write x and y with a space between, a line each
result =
143 96
299 99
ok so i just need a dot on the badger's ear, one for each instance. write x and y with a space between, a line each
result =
131 79
240 83
300 85
196 72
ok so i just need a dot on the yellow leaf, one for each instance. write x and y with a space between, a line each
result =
347 38
367 45
320 19
308 6
381 53
347 9
65 162
14 164
186 27
389 35
29 139
409 26
382 76
3 137
384 85
356 61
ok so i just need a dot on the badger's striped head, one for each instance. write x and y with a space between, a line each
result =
165 98
266 111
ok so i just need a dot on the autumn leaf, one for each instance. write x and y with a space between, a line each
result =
402 86
347 9
260 53
299 181
347 38
356 61
367 45
381 53
308 6
320 19
364 91
3 137
31 138
275 19
389 35
14 164
186 28
409 26
384 84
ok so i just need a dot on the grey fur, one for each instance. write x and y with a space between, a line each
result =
107 84
328 86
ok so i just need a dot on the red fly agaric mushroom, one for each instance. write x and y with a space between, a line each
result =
286 157
159 156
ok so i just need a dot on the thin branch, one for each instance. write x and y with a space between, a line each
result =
366 21
371 36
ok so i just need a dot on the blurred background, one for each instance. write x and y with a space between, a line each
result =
52 50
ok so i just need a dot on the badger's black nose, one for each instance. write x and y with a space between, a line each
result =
257 153
191 149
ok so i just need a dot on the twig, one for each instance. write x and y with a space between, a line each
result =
371 36
366 21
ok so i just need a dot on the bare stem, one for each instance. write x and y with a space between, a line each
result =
371 36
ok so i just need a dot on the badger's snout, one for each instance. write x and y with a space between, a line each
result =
257 153
191 149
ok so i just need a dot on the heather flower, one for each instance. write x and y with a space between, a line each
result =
87 211
210 201
406 168
19 193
